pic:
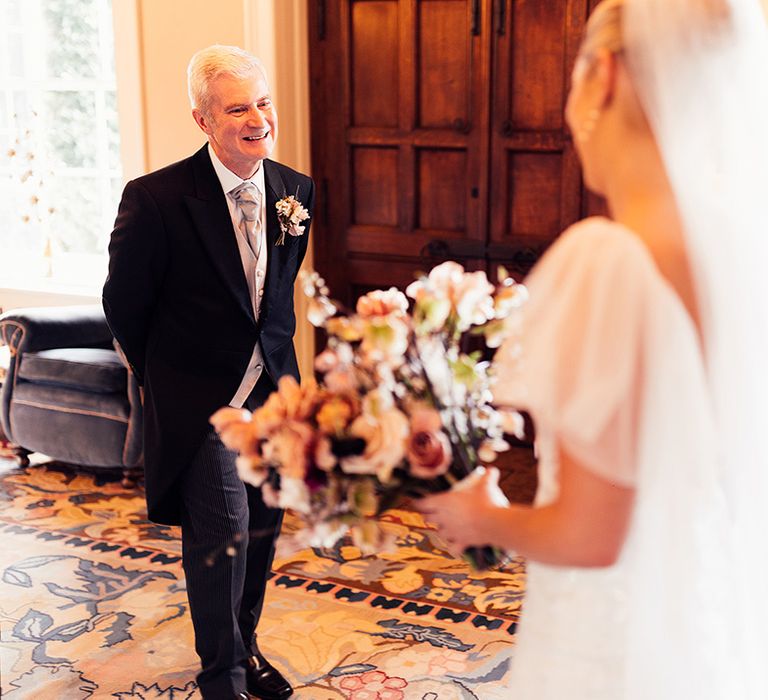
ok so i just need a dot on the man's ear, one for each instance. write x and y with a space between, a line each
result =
201 120
604 77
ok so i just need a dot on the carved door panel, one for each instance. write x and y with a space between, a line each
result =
535 176
437 133
399 137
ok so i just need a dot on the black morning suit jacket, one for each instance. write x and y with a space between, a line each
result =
177 301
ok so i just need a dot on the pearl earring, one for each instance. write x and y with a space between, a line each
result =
584 132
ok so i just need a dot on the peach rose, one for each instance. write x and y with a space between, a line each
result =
289 447
334 415
291 401
347 329
235 429
228 415
385 438
324 457
382 303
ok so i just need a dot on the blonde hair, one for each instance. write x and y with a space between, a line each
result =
212 62
604 29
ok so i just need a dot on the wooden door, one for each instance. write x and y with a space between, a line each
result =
535 176
437 133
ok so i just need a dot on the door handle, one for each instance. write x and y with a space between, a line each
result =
519 259
460 125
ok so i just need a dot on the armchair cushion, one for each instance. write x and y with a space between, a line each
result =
67 394
86 369
31 330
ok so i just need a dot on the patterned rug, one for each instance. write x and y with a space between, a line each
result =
93 605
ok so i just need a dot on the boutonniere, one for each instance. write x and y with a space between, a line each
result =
290 214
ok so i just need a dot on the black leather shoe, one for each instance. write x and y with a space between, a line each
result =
264 681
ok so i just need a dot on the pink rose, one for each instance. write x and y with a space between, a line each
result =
429 454
428 450
425 418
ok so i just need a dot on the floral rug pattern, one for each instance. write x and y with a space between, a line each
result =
93 605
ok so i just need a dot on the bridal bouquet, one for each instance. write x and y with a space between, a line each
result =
401 408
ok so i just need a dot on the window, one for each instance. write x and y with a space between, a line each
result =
60 173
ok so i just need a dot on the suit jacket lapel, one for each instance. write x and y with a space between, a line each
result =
213 223
276 255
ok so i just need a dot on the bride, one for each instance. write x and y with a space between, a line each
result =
643 365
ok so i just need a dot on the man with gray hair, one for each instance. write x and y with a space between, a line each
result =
200 298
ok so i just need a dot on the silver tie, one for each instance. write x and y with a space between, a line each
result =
246 196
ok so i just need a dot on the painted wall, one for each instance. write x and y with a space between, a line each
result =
170 32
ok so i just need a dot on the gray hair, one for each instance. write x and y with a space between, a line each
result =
212 62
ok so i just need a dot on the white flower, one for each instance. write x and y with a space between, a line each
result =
323 534
449 290
293 494
319 310
251 471
512 423
290 214
437 367
385 339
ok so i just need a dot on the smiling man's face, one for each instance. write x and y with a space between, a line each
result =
241 122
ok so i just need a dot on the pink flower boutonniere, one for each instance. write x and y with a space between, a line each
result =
290 214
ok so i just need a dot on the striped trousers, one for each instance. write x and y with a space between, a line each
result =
228 537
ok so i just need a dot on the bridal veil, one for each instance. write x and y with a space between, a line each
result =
700 68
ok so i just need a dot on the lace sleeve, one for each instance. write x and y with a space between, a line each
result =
580 358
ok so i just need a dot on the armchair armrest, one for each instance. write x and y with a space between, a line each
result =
34 329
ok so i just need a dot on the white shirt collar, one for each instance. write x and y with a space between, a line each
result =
229 180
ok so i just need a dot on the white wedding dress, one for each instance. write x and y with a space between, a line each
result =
611 370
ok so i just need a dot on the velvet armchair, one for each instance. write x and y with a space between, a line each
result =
67 393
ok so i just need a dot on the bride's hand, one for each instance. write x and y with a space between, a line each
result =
461 513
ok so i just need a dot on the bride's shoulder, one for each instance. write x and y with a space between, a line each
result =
596 246
598 236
